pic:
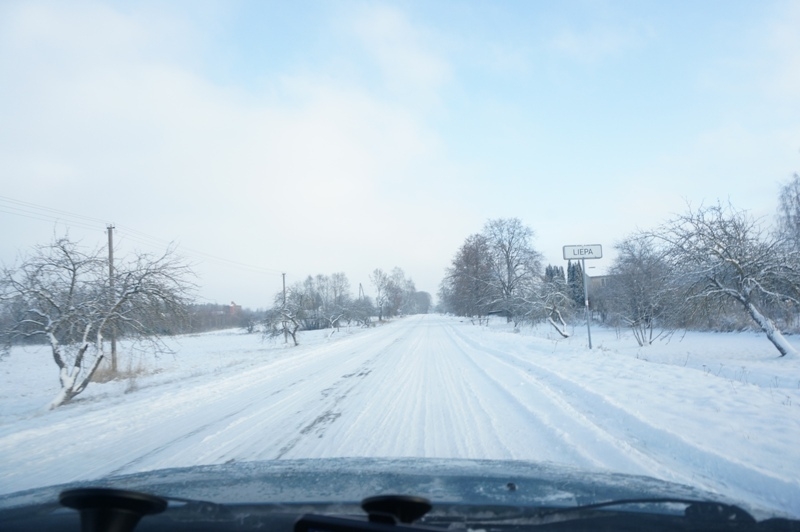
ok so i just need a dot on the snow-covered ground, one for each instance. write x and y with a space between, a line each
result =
716 411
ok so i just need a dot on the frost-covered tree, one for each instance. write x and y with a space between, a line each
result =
395 293
361 311
495 272
381 283
720 255
288 315
61 294
515 266
556 300
466 289
319 302
639 293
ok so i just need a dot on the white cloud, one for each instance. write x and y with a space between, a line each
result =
783 53
303 176
403 52
599 43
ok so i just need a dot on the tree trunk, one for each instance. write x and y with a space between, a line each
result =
773 334
561 326
70 387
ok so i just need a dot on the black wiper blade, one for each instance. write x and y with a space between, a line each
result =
652 514
696 510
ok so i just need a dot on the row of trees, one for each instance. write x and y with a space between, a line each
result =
498 272
325 301
711 267
69 297
202 317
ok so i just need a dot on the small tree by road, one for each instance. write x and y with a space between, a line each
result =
61 295
639 293
555 299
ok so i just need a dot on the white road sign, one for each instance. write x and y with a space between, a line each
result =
592 251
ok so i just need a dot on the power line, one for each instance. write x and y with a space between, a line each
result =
46 214
147 240
26 204
42 217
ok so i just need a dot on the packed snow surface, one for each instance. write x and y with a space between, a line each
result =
715 411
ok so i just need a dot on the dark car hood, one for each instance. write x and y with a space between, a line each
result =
347 481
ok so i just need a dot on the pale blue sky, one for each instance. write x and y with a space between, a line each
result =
315 137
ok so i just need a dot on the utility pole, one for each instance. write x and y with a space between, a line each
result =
285 333
113 332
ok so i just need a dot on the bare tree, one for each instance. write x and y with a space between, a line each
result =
555 299
298 311
722 254
319 302
381 283
496 271
401 293
515 265
283 320
61 294
466 288
361 311
639 293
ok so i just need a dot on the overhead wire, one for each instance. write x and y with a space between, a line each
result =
39 212
144 238
19 204
17 211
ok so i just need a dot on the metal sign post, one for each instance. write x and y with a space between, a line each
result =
586 301
592 251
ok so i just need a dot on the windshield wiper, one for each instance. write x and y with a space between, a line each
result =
612 515
696 510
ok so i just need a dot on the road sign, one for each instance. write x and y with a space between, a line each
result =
592 251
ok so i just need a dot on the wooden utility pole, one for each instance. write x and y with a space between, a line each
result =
113 332
285 333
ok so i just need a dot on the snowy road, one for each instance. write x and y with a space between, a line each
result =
424 386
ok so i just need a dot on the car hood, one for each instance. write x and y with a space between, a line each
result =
349 480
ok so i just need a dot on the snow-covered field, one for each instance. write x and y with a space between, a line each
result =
716 411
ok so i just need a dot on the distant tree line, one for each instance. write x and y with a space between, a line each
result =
326 302
64 295
714 267
202 317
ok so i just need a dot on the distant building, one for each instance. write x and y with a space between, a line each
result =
597 303
598 282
